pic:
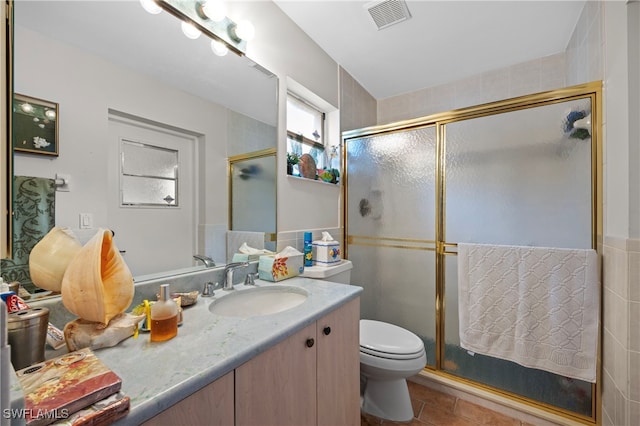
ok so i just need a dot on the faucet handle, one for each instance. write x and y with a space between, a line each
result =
208 289
249 280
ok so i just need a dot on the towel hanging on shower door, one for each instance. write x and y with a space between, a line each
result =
536 306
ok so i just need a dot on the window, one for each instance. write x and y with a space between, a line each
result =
149 175
305 130
313 135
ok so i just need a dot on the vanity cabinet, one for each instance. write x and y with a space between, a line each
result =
310 378
211 405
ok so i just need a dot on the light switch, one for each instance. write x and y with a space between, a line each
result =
86 221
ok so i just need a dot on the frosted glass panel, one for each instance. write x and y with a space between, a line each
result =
518 178
253 195
391 226
149 175
391 189
148 191
146 160
399 288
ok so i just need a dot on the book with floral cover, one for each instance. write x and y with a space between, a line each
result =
59 387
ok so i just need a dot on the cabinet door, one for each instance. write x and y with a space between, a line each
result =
278 387
211 405
338 357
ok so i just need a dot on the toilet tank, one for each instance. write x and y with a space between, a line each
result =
338 273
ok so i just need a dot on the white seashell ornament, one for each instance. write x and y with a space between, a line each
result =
50 257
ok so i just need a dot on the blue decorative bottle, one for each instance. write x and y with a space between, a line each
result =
308 255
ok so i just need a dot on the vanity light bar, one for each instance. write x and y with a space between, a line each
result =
223 31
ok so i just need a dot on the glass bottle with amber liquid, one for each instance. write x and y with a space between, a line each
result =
164 317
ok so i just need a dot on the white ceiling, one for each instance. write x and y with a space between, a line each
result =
443 41
124 33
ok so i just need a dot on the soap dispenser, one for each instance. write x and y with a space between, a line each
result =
164 316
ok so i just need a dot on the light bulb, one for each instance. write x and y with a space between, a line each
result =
219 48
216 10
151 6
245 30
190 30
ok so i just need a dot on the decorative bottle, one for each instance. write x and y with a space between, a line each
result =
164 317
308 254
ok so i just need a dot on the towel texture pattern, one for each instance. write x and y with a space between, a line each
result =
536 306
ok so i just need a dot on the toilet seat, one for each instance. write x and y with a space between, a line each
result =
389 341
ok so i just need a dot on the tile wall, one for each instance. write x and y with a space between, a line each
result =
295 239
541 74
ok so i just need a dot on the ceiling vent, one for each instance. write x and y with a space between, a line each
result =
388 12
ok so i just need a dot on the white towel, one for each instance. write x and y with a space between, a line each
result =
536 306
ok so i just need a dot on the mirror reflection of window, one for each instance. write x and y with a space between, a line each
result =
149 175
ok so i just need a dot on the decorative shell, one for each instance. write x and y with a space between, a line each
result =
49 258
97 284
85 334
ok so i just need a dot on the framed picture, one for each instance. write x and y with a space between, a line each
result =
35 125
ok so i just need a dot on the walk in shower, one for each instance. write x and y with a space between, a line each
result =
524 171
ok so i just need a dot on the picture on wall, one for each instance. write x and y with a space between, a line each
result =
35 125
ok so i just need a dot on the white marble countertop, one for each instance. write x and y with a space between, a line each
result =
159 374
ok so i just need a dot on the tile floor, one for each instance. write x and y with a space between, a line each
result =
435 408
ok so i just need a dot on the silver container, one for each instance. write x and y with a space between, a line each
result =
27 332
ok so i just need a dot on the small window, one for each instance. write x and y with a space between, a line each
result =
149 175
305 130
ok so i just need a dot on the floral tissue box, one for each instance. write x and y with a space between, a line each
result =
272 268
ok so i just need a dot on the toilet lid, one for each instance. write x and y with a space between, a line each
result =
388 340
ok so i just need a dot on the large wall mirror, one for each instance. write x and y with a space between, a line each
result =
120 76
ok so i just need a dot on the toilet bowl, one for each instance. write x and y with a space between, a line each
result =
388 355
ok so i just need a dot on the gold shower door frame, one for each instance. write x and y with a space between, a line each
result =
443 248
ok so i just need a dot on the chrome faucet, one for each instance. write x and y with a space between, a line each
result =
208 262
227 278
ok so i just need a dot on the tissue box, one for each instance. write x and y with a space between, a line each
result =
325 252
275 269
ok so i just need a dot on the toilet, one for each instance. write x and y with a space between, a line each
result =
388 355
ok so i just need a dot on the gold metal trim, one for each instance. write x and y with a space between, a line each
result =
592 91
408 240
251 155
530 101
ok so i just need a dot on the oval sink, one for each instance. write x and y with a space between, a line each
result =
258 301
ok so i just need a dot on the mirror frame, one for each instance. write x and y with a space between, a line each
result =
6 122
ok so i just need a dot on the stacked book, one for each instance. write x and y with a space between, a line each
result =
73 389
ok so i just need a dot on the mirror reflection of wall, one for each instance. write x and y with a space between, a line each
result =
253 199
145 69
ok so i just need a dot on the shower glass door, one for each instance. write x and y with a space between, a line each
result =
391 197
523 178
522 171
